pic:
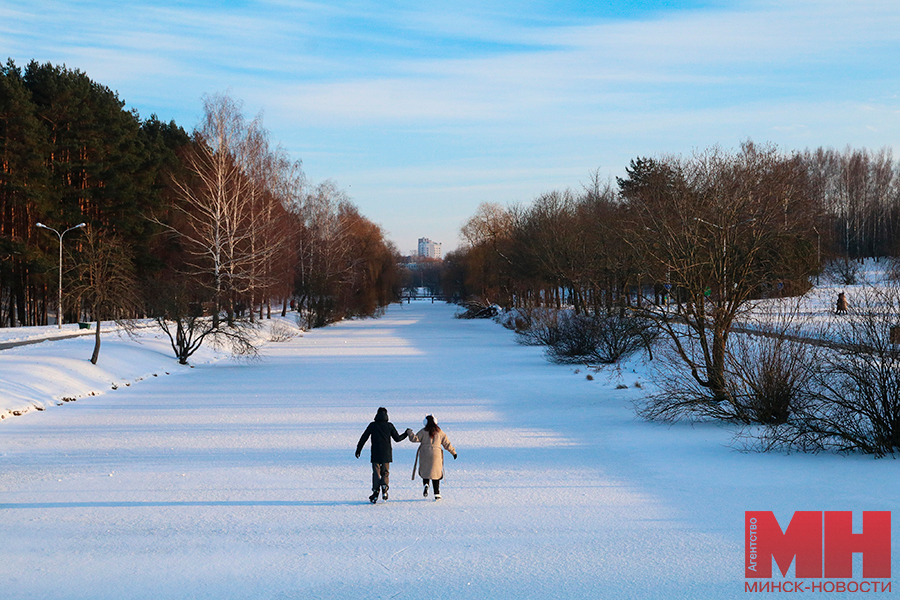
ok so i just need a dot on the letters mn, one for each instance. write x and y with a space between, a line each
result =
822 543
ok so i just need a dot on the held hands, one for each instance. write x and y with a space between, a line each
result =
409 432
454 456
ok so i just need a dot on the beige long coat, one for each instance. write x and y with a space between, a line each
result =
430 456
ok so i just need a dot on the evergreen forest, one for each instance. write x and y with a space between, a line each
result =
178 224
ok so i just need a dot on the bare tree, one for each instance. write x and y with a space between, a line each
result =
322 248
275 183
104 282
229 220
177 304
344 266
220 224
488 235
718 225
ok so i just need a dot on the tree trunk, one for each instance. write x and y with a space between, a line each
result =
716 374
96 353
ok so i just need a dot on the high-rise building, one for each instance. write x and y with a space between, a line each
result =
429 249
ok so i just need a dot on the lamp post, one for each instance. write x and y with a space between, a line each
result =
59 305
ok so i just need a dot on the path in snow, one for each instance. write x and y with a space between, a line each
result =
239 481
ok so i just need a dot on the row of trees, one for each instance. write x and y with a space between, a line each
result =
858 193
686 240
684 243
70 153
844 204
220 222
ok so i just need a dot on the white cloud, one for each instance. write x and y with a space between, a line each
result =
610 65
485 102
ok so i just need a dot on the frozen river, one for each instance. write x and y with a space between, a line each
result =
238 480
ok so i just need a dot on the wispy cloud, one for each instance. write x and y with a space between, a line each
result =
489 100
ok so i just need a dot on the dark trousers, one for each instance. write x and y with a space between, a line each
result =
435 485
380 475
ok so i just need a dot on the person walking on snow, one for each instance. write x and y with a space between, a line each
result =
430 456
381 431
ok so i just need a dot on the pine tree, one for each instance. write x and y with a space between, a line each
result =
23 198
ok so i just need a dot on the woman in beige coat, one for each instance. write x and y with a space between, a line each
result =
430 456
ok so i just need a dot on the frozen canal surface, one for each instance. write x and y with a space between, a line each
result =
238 480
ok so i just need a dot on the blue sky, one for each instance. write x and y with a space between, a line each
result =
421 111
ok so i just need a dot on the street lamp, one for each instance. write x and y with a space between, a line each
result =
59 306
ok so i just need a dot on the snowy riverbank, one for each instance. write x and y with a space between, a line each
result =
237 479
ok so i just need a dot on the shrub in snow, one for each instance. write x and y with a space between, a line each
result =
855 399
844 271
619 336
767 378
281 331
599 339
536 326
573 339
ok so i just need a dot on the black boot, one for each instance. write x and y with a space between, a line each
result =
425 491
374 497
384 490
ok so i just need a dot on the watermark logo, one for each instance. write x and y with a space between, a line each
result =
820 544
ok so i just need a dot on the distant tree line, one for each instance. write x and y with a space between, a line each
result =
218 222
594 247
680 248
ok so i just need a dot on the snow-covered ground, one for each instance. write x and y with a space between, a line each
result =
237 479
56 371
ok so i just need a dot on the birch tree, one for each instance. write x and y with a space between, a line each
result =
225 205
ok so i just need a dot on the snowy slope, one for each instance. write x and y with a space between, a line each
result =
237 480
55 371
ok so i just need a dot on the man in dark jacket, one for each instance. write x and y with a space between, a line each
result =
381 431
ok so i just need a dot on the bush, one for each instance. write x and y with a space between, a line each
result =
281 331
768 374
599 339
620 336
573 340
855 404
844 271
536 326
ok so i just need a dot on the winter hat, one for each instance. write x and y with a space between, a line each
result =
429 418
381 415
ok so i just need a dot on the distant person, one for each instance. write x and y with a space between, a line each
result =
841 307
381 431
430 456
